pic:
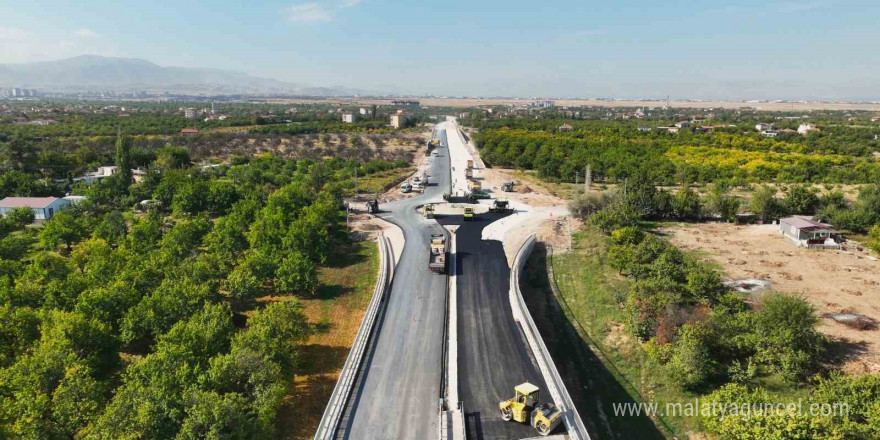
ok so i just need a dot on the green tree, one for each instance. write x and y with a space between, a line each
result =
297 274
65 227
112 228
123 159
764 204
801 199
691 363
21 216
785 336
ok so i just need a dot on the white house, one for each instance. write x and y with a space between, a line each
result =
806 128
805 231
764 127
770 133
349 118
101 173
44 207
398 120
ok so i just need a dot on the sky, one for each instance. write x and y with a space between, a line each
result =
746 49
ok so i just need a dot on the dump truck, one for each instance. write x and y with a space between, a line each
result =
468 214
434 143
470 164
500 206
437 254
428 211
474 185
372 206
525 407
469 173
507 187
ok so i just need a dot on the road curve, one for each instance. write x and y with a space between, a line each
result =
399 391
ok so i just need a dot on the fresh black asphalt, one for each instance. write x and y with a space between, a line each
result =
493 356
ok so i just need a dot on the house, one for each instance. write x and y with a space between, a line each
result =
349 118
805 231
102 172
683 124
764 127
189 132
44 207
705 129
190 113
644 129
806 128
770 133
565 127
363 111
74 200
398 120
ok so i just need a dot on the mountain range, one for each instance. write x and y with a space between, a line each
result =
92 72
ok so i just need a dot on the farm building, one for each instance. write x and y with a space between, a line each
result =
44 207
805 231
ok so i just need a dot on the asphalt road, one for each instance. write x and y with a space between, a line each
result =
493 356
399 388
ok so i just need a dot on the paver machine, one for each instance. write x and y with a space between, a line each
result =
500 206
525 407
372 206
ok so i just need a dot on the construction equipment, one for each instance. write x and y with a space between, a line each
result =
372 206
468 214
480 194
469 173
524 407
501 206
437 254
507 187
428 211
470 164
434 143
474 185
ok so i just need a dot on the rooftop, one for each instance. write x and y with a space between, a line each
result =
27 202
804 222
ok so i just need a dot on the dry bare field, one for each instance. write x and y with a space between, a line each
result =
833 281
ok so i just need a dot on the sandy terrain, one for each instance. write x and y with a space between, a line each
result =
833 281
476 102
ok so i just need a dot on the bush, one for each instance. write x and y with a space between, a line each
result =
619 214
584 206
874 238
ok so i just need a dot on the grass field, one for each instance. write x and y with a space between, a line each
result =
382 181
347 283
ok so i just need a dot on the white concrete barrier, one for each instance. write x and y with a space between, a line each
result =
344 385
555 385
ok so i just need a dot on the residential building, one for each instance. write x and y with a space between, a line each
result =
644 129
188 132
565 128
764 127
349 118
44 207
804 231
190 113
806 128
770 133
398 120
683 124
102 172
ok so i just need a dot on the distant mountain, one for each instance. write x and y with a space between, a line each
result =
92 72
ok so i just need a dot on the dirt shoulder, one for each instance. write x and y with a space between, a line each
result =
833 281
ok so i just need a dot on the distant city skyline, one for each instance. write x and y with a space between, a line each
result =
748 49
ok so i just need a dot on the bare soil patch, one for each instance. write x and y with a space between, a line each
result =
835 282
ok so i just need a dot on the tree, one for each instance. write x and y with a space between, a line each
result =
691 363
585 205
686 204
801 199
764 204
65 227
874 238
297 274
786 337
21 216
123 159
112 228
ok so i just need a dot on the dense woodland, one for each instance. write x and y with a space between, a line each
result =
129 323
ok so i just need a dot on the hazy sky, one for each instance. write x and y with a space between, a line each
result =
797 49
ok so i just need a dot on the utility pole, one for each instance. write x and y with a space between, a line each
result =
577 174
355 180
588 176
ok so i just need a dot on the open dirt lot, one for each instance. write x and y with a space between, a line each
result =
833 281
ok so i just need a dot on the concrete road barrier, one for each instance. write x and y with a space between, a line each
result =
557 389
344 385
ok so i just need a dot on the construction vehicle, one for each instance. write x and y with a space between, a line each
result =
500 206
434 143
437 254
405 187
470 164
372 206
468 214
428 211
469 173
525 407
475 185
507 187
